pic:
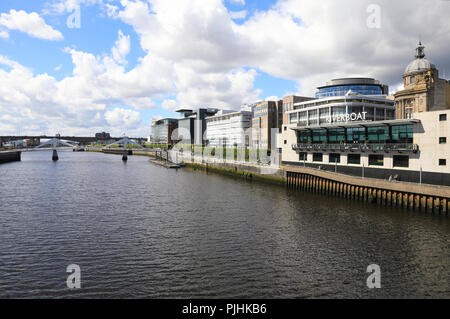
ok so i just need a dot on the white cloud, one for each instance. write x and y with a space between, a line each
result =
272 98
123 118
121 48
241 2
61 6
30 23
238 14
4 34
58 67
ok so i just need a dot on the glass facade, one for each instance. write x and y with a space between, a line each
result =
162 130
396 134
341 90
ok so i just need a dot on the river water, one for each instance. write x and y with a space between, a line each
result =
140 230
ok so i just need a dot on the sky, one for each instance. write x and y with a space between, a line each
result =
77 67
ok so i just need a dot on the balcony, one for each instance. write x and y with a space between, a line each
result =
357 147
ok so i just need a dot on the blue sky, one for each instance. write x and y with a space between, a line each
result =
133 60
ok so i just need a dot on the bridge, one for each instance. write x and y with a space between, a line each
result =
36 140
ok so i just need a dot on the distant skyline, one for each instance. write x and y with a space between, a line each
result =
118 64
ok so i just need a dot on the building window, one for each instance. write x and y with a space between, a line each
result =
354 159
402 134
442 117
378 134
442 162
303 156
442 140
285 142
335 158
317 157
285 128
376 160
401 161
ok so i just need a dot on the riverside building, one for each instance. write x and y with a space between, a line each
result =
192 127
423 90
229 128
162 131
359 135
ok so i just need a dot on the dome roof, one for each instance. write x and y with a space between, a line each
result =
420 63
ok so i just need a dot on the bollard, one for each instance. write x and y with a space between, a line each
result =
55 156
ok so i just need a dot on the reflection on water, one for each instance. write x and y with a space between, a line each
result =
139 230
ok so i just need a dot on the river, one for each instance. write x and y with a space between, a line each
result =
140 230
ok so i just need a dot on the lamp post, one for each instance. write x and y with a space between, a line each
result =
420 176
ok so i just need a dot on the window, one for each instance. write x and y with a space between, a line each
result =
285 142
376 160
401 161
442 162
319 136
356 135
303 156
317 157
285 128
442 117
402 134
442 140
354 159
303 137
378 134
336 136
335 158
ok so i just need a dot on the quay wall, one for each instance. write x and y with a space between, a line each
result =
428 198
10 156
244 171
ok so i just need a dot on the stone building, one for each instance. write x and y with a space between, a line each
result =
423 89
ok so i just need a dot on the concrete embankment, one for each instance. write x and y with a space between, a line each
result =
244 171
10 156
428 198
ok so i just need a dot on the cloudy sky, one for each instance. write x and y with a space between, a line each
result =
77 67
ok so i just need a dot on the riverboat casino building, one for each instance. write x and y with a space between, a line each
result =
352 128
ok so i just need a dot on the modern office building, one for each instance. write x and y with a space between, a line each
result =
229 128
362 86
265 118
193 124
163 131
340 109
288 105
423 89
103 136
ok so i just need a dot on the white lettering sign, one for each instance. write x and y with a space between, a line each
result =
347 117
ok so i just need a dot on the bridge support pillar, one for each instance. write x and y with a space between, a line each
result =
55 156
125 156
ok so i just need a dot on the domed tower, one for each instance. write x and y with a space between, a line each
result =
423 90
